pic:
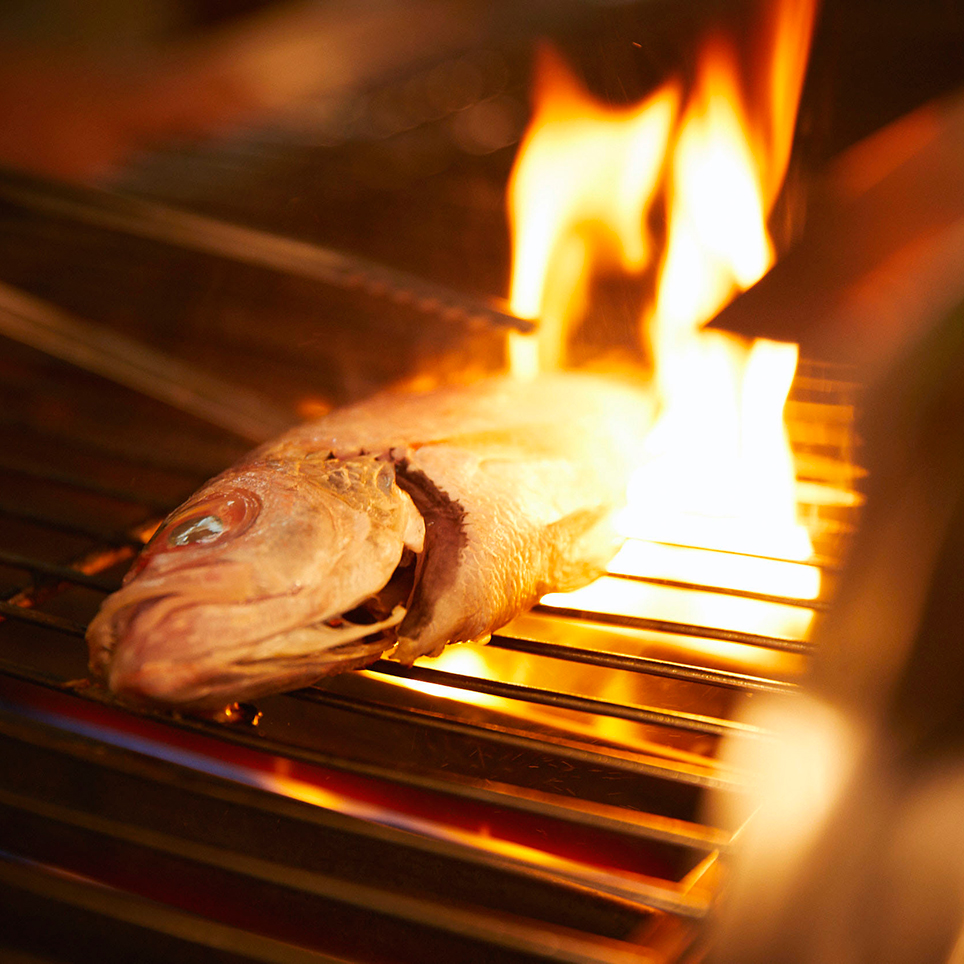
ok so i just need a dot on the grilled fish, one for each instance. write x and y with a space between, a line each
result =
406 521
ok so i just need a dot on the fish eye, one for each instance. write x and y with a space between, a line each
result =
191 531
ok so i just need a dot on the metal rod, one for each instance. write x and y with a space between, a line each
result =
119 906
48 474
817 562
39 618
63 573
682 629
560 808
97 533
128 362
531 694
643 664
108 447
184 229
814 604
613 760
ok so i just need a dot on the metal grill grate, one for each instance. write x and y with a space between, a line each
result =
554 815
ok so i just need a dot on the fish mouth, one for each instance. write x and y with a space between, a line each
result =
283 661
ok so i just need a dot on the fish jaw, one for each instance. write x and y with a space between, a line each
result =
285 661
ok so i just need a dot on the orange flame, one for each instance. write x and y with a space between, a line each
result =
718 469
788 49
579 194
723 400
717 472
718 240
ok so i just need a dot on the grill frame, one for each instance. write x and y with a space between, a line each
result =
89 490
667 912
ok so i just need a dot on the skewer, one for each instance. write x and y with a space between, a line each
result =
113 355
196 232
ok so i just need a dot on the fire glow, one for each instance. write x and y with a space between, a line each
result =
581 189
713 501
717 471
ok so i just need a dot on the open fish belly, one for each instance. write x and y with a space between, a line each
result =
428 519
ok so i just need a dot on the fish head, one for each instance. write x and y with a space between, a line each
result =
242 590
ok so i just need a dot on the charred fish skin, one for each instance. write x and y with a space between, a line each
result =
406 520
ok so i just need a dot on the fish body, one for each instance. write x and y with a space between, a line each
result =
406 521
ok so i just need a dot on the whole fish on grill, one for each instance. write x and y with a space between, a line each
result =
405 521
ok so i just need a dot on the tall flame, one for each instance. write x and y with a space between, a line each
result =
717 240
723 400
717 472
718 469
578 197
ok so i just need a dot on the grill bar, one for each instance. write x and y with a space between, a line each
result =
84 485
63 573
557 746
128 362
814 604
61 896
683 721
682 629
100 534
824 563
643 664
634 888
495 930
195 232
647 827
111 451
40 618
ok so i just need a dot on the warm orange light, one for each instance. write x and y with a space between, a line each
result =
717 239
579 194
718 470
460 660
787 48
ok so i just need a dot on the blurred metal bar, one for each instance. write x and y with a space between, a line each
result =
75 481
814 604
63 573
500 736
195 232
123 360
691 722
102 534
643 664
39 618
682 629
